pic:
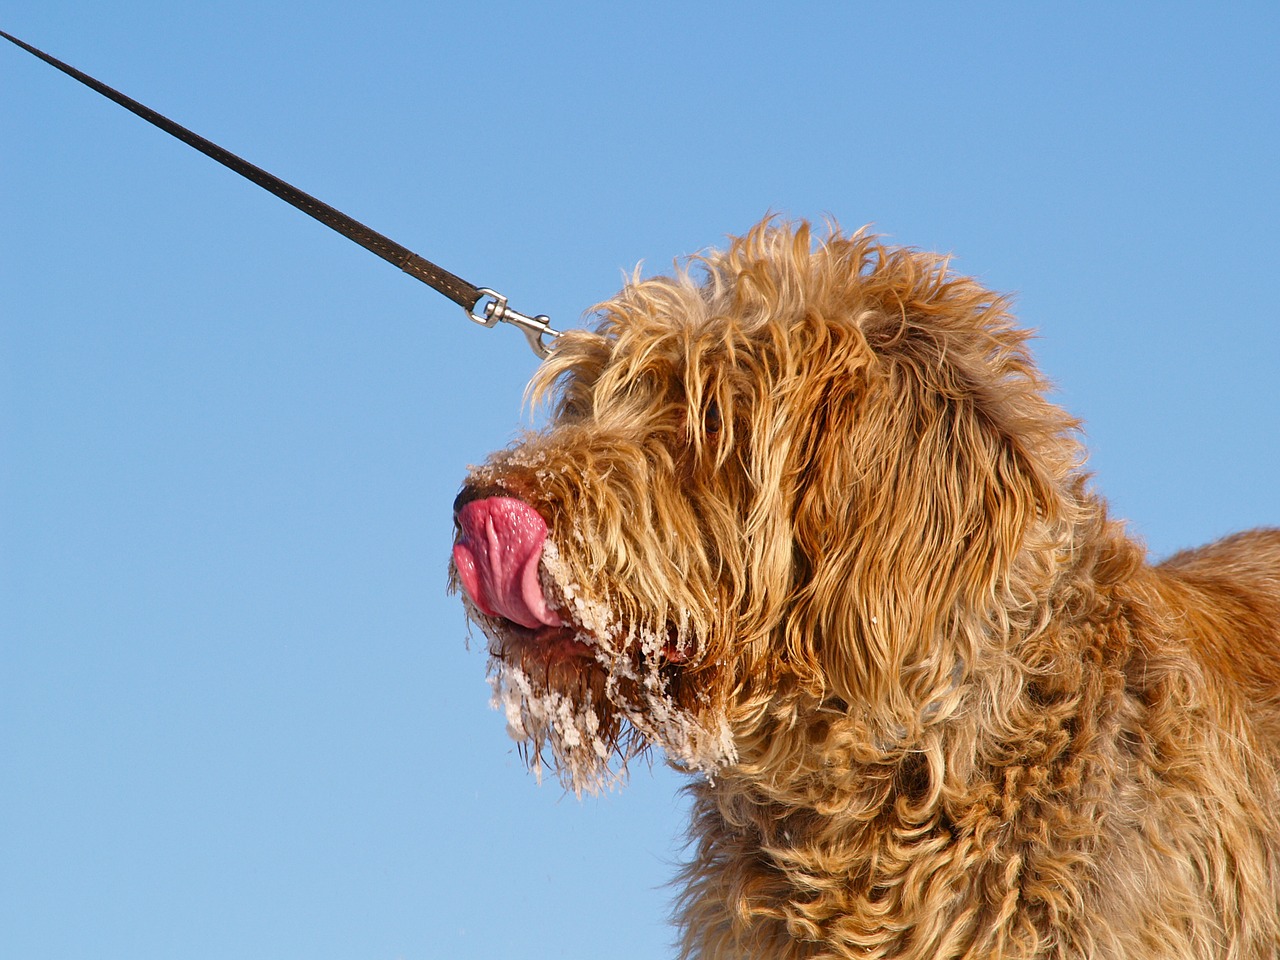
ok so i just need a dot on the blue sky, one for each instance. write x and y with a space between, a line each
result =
238 717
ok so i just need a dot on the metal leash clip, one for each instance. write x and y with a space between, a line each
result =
496 309
466 295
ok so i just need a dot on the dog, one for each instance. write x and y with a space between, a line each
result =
803 517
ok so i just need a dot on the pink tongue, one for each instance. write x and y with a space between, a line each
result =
497 560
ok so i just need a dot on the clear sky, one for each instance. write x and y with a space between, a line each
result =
238 716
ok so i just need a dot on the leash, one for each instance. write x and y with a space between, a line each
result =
466 295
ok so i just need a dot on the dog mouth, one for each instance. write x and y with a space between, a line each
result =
498 557
576 675
547 645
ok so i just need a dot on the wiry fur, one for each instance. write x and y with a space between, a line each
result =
822 537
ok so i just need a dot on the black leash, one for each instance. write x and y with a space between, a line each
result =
466 295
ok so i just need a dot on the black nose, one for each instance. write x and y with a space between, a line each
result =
470 493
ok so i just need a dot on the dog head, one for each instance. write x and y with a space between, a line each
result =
793 481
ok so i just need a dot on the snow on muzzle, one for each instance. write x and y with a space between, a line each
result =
497 557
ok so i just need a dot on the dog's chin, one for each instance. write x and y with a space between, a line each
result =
584 706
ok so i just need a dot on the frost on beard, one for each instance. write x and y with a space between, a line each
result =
570 731
542 719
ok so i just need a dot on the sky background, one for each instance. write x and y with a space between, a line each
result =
238 715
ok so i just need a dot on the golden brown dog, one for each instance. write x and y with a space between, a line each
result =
808 523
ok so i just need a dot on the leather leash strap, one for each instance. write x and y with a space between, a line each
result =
466 295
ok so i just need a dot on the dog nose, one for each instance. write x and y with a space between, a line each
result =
470 494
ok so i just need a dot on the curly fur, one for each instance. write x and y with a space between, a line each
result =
819 534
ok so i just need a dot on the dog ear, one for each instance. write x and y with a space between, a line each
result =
919 487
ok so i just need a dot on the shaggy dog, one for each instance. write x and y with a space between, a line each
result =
807 522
